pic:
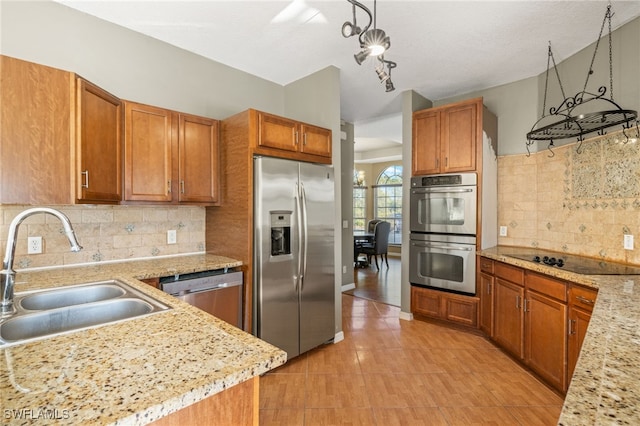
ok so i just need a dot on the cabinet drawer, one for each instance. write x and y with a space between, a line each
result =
546 285
486 265
583 297
509 273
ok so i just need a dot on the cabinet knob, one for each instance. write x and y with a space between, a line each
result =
169 186
86 179
296 138
572 329
182 187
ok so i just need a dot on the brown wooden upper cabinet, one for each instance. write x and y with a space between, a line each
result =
60 137
170 156
283 134
445 139
99 144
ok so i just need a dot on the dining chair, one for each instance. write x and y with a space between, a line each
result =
379 245
371 225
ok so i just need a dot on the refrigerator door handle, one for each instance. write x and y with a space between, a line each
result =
303 202
298 278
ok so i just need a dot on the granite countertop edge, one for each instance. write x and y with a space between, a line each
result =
248 356
604 388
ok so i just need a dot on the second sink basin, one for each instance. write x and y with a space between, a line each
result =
48 313
70 296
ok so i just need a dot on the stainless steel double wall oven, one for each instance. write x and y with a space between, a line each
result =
443 221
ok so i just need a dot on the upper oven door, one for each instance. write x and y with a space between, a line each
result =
444 209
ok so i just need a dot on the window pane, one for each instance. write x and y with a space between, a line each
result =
359 208
388 201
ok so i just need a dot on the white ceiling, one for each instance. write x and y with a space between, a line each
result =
442 48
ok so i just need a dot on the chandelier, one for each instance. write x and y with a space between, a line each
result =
374 42
566 123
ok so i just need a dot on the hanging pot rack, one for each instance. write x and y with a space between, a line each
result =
570 125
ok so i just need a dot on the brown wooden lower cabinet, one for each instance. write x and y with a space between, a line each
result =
545 338
539 319
581 301
455 308
238 405
508 320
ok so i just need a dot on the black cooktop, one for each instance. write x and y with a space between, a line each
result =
579 264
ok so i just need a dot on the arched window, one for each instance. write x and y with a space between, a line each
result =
388 201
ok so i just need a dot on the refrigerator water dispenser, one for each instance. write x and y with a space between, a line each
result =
280 233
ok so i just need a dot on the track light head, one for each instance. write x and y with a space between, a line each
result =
377 41
361 56
349 29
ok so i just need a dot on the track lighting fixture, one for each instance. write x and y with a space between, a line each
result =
373 42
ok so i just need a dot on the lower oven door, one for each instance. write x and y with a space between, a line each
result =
446 262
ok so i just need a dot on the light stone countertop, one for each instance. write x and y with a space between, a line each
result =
132 372
605 389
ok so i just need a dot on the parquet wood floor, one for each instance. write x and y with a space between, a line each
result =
392 372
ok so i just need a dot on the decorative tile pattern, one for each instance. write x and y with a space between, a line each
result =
576 201
107 233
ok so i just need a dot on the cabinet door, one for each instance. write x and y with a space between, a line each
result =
545 337
485 289
578 323
459 138
460 309
99 142
508 316
35 133
199 168
426 143
147 153
315 140
425 302
277 132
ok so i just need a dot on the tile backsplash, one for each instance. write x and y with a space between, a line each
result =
579 198
106 233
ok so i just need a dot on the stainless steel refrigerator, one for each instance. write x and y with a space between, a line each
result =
294 290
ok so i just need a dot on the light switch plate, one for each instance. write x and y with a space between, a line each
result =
628 242
503 231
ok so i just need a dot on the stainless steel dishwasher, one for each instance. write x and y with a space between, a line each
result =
217 292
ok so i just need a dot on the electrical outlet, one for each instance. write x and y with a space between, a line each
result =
503 231
344 269
34 245
628 242
172 238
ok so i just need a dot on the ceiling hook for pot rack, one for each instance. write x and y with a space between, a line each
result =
553 154
579 147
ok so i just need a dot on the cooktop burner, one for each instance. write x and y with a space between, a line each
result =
580 265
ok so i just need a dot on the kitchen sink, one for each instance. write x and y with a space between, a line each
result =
70 296
63 310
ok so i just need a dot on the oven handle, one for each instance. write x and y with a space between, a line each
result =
443 247
441 191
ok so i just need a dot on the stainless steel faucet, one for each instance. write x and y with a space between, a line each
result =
8 275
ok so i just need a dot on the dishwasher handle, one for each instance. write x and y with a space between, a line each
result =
196 285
